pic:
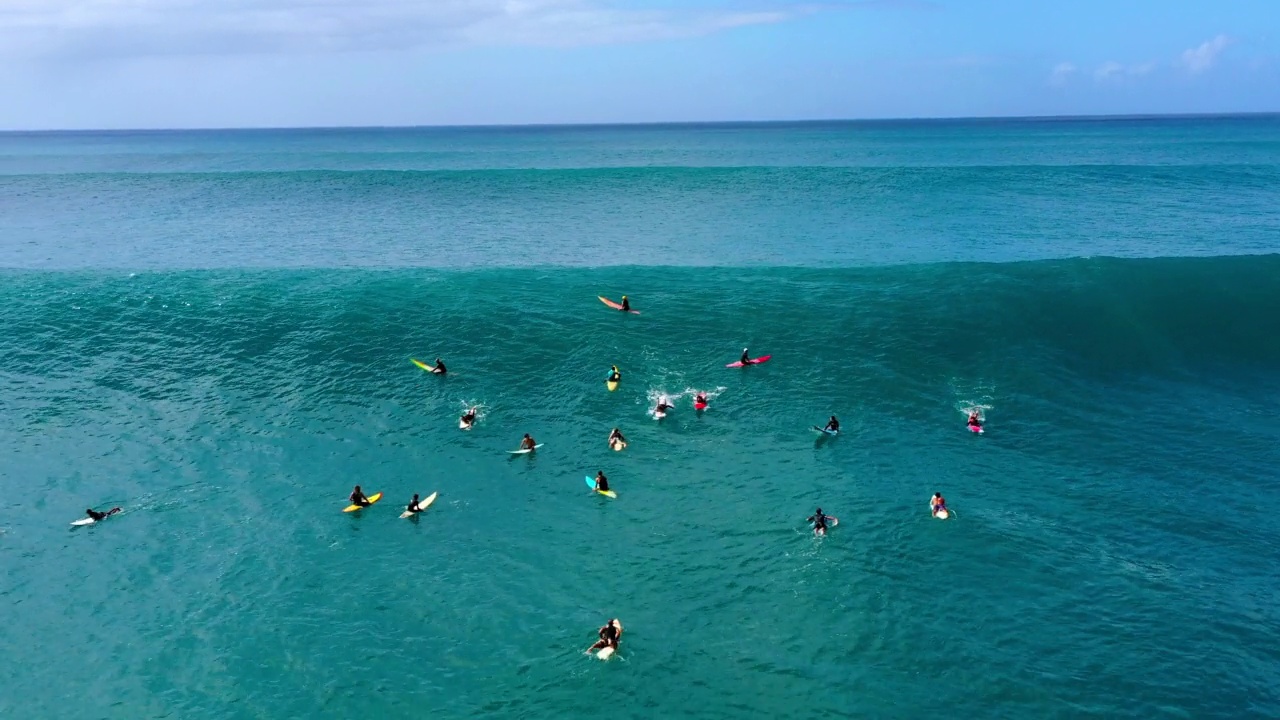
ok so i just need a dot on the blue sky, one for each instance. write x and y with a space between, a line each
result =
270 63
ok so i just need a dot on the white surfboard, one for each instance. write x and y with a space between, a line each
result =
941 515
464 425
84 521
605 653
423 504
525 451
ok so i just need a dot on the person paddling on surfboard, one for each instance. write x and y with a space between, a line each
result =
937 503
626 304
975 420
700 401
357 498
527 443
468 418
96 516
602 482
833 425
610 634
615 437
819 521
614 374
663 407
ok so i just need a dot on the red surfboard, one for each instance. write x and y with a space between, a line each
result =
615 305
754 361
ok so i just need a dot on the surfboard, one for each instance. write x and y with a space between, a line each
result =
84 521
525 451
463 425
699 406
832 521
825 431
614 305
372 499
423 504
605 653
591 483
429 368
618 445
976 429
611 384
941 514
754 361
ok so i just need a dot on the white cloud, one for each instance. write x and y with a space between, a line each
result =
1141 69
150 27
1108 70
1198 59
1062 72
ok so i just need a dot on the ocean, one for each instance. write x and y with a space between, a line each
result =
213 331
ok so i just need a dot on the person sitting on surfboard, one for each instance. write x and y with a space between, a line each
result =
610 634
96 516
602 482
833 425
439 369
626 304
616 437
746 357
937 503
468 418
413 505
527 443
975 420
357 498
819 521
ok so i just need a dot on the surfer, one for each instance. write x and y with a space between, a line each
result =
610 634
413 505
819 521
700 401
602 482
937 503
616 438
357 497
468 419
439 369
96 516
833 425
975 420
626 304
614 375
746 357
663 407
527 443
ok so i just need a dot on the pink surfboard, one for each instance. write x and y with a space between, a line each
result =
754 361
975 428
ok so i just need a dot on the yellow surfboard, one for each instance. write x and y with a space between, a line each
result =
372 499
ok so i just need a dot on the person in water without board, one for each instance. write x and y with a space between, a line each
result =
527 443
626 304
357 498
833 425
937 503
602 482
99 515
610 634
439 369
616 437
819 521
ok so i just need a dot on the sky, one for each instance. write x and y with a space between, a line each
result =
122 64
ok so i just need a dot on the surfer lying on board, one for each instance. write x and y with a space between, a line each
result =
357 498
602 482
833 425
819 521
626 304
663 406
616 437
413 505
610 634
527 443
468 418
439 369
937 503
99 515
975 420
614 375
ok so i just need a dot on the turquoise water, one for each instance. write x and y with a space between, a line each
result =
212 330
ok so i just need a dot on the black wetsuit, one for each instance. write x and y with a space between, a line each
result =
608 636
833 426
602 483
97 515
358 498
439 369
626 305
746 358
819 522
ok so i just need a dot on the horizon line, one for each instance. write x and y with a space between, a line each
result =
667 123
